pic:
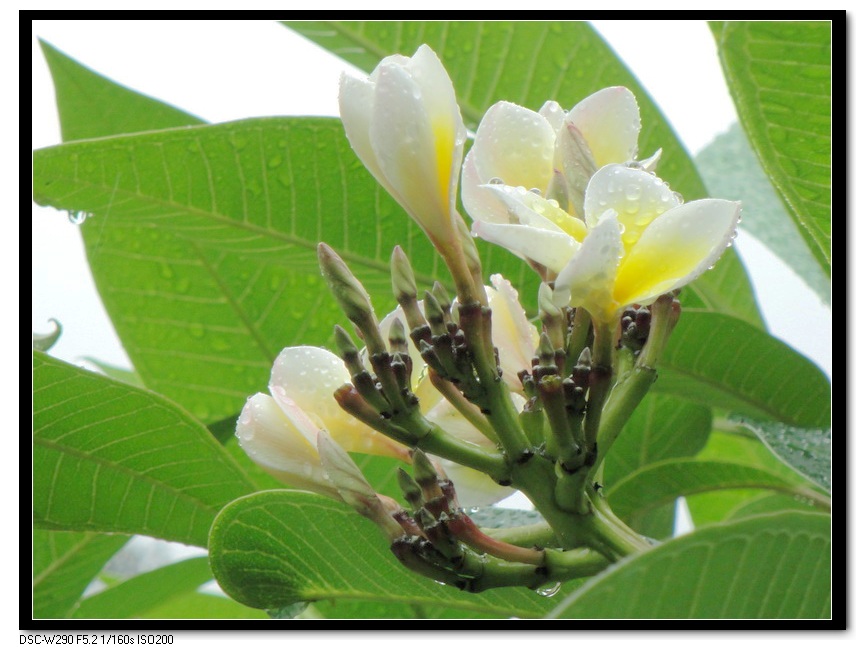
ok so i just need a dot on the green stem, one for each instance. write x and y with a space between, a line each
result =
539 534
624 398
600 379
433 439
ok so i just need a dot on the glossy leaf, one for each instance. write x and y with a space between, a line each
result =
664 481
780 73
731 170
203 245
272 549
197 605
64 564
661 428
808 451
766 567
91 106
110 457
135 596
740 448
720 361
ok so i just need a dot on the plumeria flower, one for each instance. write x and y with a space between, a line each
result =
279 431
552 153
404 123
638 242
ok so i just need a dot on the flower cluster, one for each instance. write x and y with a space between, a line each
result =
565 191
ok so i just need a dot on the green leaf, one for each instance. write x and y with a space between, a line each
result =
765 504
64 563
662 427
740 448
779 73
720 361
565 61
201 606
115 372
110 457
664 481
272 549
203 245
130 598
731 171
808 451
91 106
766 567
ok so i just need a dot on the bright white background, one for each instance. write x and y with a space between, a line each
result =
224 71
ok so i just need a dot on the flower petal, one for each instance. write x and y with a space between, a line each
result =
675 248
637 197
479 202
531 209
272 441
515 145
609 120
306 377
589 277
554 114
551 249
513 335
355 110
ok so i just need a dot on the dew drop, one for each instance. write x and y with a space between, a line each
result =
535 190
632 192
78 217
495 180
549 592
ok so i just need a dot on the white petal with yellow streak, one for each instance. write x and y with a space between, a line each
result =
676 248
589 277
637 197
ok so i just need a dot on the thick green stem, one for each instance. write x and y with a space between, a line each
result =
600 379
624 398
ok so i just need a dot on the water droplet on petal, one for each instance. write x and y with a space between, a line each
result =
535 190
632 192
495 180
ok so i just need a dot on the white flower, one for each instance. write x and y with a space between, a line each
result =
552 153
279 431
404 124
638 242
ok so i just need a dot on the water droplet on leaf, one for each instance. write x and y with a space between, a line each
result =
78 217
550 591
